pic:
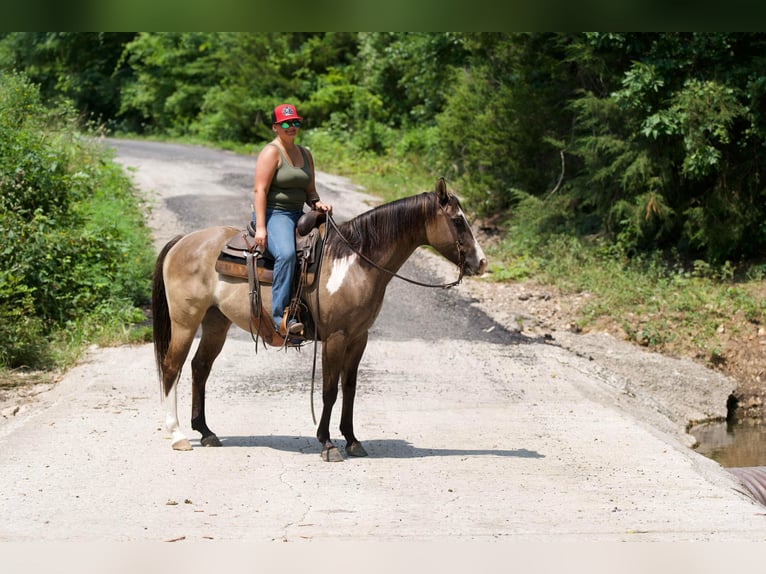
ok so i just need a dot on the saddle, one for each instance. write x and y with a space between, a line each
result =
232 260
239 258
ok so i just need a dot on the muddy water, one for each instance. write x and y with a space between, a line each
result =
734 444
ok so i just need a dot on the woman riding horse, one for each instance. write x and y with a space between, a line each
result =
359 260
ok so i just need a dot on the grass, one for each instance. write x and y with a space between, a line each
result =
684 309
389 177
660 304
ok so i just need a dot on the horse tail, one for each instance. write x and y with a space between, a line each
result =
161 327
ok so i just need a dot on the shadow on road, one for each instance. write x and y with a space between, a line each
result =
384 448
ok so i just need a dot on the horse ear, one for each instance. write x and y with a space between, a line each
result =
441 191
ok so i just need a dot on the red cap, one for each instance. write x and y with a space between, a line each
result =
284 112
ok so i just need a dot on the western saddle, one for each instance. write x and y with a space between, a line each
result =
241 259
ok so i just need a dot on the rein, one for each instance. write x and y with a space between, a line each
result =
316 329
394 274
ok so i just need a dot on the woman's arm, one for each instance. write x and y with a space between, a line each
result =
265 168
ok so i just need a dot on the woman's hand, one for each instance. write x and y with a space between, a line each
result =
326 207
260 238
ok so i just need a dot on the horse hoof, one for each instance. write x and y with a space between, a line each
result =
332 454
182 444
355 449
210 440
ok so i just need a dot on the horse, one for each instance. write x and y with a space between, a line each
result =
359 258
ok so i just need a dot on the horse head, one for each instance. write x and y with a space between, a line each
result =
450 234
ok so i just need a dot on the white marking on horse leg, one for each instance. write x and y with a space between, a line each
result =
178 440
338 272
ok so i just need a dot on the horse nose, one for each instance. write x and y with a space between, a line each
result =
476 269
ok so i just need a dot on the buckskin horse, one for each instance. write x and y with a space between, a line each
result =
359 258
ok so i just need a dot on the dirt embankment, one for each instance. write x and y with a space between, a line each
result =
542 309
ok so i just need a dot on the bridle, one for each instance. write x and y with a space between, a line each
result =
458 245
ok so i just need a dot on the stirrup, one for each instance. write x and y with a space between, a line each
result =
295 328
294 337
285 328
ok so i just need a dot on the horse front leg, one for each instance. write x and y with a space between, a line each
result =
333 350
215 326
350 369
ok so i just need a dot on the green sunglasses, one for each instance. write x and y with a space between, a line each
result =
294 123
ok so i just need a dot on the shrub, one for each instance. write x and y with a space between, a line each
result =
75 242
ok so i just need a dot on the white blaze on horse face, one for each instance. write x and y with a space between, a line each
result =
480 263
481 259
338 273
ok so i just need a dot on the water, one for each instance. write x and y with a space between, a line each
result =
733 444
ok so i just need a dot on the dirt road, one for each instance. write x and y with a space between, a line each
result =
475 431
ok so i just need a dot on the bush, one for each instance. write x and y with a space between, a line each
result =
75 241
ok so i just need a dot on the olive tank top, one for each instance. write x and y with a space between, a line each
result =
288 186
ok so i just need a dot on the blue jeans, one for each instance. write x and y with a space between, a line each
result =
280 242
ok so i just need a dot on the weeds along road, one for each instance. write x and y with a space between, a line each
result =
474 432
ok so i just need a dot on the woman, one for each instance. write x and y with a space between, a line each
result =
284 181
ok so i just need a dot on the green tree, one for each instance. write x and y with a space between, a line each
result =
82 67
651 140
662 135
672 153
505 121
171 75
410 72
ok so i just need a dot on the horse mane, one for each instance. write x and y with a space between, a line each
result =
371 232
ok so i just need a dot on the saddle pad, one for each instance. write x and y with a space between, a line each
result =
236 267
232 263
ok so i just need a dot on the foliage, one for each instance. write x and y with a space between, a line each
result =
202 83
75 242
643 148
662 134
501 127
82 67
223 85
671 148
653 139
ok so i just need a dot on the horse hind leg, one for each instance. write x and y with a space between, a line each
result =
177 438
171 373
215 326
